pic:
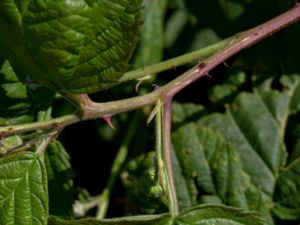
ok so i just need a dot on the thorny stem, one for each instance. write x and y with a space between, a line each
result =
92 110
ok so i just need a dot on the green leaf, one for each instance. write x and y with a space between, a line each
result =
205 214
226 91
70 46
9 143
218 215
174 26
213 167
23 190
16 98
281 103
261 130
16 120
254 125
287 192
291 83
151 44
185 188
13 94
60 182
184 113
137 220
232 9
255 133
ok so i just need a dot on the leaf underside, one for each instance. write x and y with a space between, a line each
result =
80 46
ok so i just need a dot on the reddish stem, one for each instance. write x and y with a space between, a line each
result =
167 151
242 41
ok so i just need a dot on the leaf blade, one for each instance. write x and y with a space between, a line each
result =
219 174
23 190
205 214
287 192
162 219
77 47
60 181
151 44
218 215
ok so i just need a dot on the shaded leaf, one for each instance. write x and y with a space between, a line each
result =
151 44
261 130
250 127
232 9
174 26
163 219
202 38
185 188
287 192
218 215
138 181
254 124
213 170
291 85
60 183
16 98
183 113
206 214
23 190
70 46
282 101
229 88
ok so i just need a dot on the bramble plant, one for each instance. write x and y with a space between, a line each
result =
229 156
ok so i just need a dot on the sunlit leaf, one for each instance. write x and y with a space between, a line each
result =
23 190
70 46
